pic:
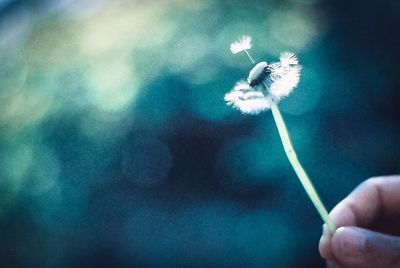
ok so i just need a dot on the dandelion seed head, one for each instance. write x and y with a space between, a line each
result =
265 82
244 43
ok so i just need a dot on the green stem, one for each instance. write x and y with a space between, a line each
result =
304 179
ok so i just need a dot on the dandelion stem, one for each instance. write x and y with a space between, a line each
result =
304 179
248 55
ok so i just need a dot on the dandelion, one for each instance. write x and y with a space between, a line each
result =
265 86
266 83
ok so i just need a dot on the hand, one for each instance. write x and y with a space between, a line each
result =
368 222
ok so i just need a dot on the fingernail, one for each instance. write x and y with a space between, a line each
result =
352 240
325 231
331 264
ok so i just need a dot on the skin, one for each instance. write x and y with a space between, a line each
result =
368 222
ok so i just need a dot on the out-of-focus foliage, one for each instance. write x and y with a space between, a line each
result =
117 149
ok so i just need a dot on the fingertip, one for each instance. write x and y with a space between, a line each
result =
357 247
348 243
324 244
324 248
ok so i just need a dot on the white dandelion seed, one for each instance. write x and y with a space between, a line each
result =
243 44
266 85
288 58
247 100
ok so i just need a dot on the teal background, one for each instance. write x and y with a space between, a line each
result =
117 149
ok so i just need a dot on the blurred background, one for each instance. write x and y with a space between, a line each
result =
117 149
